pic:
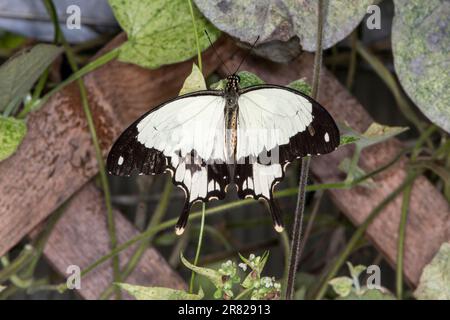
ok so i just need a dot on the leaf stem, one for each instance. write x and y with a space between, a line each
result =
300 206
243 293
353 57
197 40
405 211
93 65
199 246
98 153
401 240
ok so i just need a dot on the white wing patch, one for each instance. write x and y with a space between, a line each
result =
193 123
269 117
193 179
263 178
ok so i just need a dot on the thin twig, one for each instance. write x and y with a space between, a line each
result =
98 153
199 247
352 66
194 24
300 207
401 240
405 211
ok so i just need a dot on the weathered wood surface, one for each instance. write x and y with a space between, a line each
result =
429 218
81 236
57 158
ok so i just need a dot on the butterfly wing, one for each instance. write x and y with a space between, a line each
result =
184 136
277 125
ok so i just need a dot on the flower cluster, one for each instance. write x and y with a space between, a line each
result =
266 288
228 270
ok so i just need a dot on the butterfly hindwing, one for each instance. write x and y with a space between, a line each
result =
257 181
277 125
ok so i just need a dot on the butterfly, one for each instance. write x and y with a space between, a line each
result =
210 139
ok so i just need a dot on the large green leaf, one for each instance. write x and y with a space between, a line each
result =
284 19
12 132
421 48
159 293
160 31
435 279
18 74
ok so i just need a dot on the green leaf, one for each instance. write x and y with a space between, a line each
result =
256 265
421 46
434 282
10 40
369 294
159 293
194 82
283 19
301 85
355 271
214 276
20 72
345 166
160 31
247 79
376 133
12 132
342 285
347 139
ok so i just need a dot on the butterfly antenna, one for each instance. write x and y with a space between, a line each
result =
217 54
247 54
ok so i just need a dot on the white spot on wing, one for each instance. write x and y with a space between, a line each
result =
326 137
120 161
179 231
278 228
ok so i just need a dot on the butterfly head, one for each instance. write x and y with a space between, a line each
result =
233 82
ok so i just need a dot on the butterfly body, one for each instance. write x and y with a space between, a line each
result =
210 139
231 95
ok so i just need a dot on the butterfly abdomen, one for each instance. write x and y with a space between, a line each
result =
231 119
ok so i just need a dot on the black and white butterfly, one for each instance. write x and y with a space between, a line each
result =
210 139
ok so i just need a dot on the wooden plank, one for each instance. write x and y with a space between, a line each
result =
429 218
57 158
81 237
